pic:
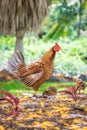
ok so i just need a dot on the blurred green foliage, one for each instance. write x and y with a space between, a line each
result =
66 18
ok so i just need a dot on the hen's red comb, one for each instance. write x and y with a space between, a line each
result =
57 47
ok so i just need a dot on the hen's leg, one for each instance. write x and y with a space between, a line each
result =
35 93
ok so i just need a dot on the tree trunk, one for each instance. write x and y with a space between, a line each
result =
19 41
19 44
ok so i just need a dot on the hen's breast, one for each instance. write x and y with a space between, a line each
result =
47 71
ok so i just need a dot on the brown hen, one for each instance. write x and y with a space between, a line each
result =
35 74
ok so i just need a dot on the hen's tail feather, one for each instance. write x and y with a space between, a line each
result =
16 60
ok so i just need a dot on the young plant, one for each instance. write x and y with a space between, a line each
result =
71 91
14 101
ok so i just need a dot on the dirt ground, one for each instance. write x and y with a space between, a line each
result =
59 112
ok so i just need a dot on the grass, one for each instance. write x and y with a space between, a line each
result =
19 89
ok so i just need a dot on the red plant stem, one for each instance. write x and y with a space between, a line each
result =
12 99
7 99
10 96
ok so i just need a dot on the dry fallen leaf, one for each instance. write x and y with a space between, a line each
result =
48 113
77 121
2 127
42 104
75 127
85 109
84 128
64 115
46 124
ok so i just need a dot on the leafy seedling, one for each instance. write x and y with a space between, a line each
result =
71 91
14 101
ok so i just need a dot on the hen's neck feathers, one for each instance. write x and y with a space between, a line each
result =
49 55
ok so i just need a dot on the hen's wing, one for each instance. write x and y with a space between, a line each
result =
30 74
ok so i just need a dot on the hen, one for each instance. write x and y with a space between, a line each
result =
35 74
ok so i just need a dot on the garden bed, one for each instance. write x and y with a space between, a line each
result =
59 112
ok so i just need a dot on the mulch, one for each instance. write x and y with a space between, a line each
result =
58 112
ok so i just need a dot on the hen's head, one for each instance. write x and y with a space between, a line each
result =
57 47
